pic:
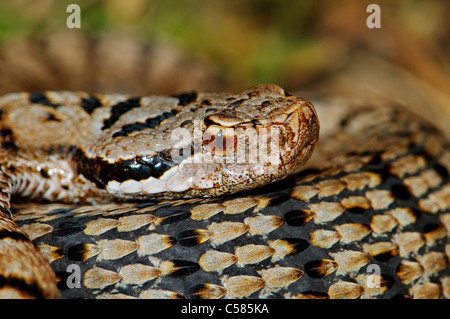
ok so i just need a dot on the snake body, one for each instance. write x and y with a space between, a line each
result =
157 197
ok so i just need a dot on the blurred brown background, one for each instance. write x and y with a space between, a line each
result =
303 46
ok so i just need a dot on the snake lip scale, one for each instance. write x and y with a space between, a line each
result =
194 178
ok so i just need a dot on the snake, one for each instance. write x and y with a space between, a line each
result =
220 195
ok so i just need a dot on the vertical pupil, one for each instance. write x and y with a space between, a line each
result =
219 140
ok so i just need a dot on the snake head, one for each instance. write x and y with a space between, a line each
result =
206 145
262 136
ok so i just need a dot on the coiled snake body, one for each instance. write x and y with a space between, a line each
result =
200 215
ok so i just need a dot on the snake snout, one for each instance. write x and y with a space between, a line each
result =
299 131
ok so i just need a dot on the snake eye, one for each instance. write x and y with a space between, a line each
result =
219 140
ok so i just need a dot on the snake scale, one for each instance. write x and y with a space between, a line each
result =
156 197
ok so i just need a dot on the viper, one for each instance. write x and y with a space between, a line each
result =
220 195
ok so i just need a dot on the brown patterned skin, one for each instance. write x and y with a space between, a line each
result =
381 201
374 193
81 148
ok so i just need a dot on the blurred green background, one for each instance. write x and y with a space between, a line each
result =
319 45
